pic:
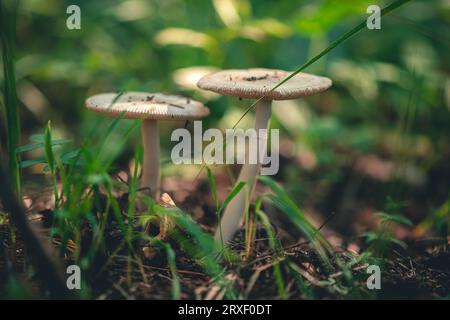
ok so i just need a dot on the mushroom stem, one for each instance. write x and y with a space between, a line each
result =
235 210
151 176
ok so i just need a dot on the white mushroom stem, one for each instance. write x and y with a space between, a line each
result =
235 210
151 176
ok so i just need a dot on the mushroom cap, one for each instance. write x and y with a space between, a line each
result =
143 105
254 83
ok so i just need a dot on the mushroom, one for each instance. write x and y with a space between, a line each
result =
256 84
151 108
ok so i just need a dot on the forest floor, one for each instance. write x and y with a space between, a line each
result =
420 271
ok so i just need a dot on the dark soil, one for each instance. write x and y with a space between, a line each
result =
419 272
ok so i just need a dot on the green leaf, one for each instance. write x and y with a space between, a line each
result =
39 145
39 138
386 217
381 239
69 156
29 147
28 163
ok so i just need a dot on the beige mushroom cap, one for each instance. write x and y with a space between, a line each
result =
254 83
143 105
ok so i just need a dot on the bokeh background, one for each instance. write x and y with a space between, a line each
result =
377 140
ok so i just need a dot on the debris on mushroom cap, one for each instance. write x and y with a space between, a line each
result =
142 105
254 83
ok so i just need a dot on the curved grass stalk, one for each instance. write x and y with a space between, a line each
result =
8 10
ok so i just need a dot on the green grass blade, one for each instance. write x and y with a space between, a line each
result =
301 283
324 52
199 245
212 183
276 248
227 200
8 11
48 148
108 133
50 158
176 288
283 202
231 195
170 254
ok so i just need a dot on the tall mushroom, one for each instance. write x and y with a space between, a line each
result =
151 107
254 84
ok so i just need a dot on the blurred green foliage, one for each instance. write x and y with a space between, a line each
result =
391 93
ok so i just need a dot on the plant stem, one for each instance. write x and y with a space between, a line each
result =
249 174
151 176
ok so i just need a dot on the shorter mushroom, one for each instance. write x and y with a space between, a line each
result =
256 84
151 108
